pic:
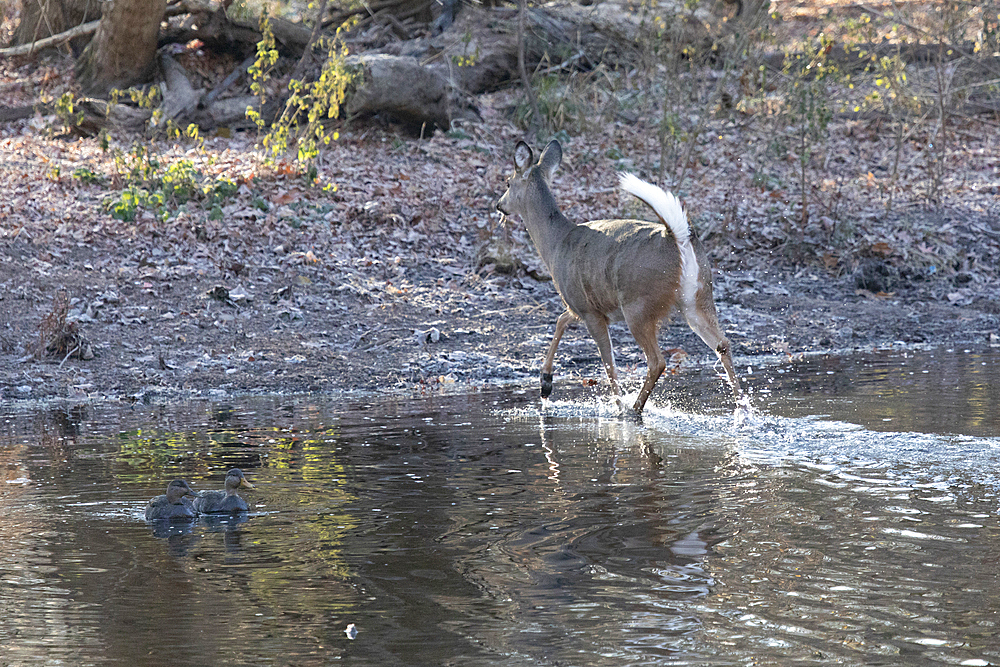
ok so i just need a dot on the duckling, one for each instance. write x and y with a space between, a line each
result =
214 502
174 504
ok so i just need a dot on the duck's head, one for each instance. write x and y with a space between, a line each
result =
177 489
236 480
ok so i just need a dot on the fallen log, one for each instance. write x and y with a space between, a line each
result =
399 87
180 99
99 114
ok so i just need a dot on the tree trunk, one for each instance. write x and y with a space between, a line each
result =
44 18
123 51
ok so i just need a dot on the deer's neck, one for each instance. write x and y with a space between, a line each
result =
546 226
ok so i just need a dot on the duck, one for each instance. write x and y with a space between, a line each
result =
174 504
216 502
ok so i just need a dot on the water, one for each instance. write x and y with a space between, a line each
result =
853 520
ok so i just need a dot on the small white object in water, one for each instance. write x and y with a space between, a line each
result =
351 631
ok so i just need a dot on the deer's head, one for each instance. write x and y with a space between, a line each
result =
530 179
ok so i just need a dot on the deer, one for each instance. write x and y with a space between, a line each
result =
612 270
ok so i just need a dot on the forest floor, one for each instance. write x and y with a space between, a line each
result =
388 274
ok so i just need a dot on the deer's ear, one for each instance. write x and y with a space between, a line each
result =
522 157
550 160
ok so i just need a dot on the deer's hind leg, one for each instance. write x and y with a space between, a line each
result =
644 326
704 321
564 321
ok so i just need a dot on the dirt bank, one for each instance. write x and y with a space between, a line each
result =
386 276
406 326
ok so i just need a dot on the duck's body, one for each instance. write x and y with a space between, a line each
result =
220 502
172 505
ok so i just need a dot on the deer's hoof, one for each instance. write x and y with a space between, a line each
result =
546 384
632 416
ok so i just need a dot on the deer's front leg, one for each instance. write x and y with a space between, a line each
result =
564 321
597 325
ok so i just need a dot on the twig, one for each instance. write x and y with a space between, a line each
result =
396 25
43 15
68 355
307 51
24 49
897 17
229 80
742 44
373 8
561 66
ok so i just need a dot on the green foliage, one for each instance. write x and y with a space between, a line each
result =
179 182
807 96
136 166
151 186
304 120
466 59
807 105
147 181
260 71
132 199
891 91
87 176
223 189
145 99
67 111
192 133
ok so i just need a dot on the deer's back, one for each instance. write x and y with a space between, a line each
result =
609 263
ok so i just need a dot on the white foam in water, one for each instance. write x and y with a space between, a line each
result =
876 461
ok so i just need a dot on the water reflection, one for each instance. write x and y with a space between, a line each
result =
487 529
181 534
166 528
930 391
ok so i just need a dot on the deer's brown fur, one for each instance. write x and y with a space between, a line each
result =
608 270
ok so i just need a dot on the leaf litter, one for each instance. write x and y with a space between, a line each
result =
390 272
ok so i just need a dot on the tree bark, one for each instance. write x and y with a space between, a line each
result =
123 51
44 18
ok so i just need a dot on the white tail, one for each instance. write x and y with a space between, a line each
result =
668 208
606 270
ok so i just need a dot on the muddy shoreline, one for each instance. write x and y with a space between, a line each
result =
444 330
399 281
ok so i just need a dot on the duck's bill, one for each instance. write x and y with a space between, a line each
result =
245 484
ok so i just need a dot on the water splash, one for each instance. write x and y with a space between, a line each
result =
837 448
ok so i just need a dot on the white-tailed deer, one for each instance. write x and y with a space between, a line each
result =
608 270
